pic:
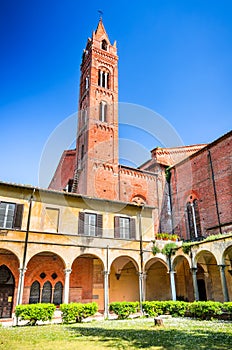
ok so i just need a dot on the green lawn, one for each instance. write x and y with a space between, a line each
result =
176 334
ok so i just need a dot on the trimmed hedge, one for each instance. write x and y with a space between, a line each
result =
35 312
124 309
205 309
156 308
197 309
75 312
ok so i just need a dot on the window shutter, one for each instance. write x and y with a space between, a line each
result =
18 216
132 229
116 227
99 225
81 223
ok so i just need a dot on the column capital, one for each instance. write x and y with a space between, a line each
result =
67 271
22 270
193 270
222 267
105 273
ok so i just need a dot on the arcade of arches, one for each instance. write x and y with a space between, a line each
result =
207 276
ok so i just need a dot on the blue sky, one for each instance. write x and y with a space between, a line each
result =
174 58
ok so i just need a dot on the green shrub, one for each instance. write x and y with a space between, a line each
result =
75 312
155 250
35 312
175 308
227 307
124 309
153 308
169 249
156 308
205 309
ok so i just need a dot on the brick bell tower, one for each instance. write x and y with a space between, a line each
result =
97 139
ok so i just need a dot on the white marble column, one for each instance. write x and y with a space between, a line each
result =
223 282
20 286
106 294
141 290
195 286
173 285
66 285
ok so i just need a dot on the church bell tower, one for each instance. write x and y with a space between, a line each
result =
97 138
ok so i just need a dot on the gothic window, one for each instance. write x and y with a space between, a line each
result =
124 227
34 293
193 217
90 224
58 292
46 292
103 79
82 151
103 111
11 215
104 45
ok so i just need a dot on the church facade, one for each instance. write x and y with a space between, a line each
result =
89 236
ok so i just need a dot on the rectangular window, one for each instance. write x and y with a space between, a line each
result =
90 224
11 215
124 227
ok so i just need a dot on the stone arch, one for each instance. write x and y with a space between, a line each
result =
87 280
124 279
208 276
44 267
183 279
157 280
11 260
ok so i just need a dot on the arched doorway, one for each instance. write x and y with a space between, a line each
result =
208 277
157 281
87 280
9 276
124 280
7 288
183 279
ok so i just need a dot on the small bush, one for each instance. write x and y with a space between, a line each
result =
155 250
76 312
124 309
169 249
227 307
152 308
205 309
35 312
156 308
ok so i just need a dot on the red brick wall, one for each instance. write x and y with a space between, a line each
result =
194 176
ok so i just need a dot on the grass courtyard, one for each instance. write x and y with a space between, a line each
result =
177 333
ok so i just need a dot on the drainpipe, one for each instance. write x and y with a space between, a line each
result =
215 190
22 270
